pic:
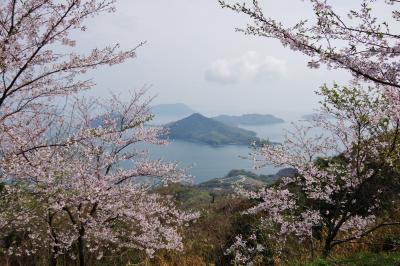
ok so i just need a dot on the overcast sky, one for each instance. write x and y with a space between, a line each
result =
193 55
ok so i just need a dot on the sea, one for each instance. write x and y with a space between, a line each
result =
204 162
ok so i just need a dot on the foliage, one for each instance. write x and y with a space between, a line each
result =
198 128
248 119
348 175
71 188
220 221
335 199
362 259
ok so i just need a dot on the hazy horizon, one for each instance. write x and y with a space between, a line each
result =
286 116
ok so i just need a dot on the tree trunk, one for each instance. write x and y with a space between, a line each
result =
55 249
326 251
81 247
53 260
327 248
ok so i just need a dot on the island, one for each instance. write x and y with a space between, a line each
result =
249 119
245 179
200 129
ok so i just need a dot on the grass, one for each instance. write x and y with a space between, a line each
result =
361 259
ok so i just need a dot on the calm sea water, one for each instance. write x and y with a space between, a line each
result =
206 162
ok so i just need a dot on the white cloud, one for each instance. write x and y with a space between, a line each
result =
249 66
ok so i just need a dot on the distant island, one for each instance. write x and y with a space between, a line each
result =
244 178
200 129
249 119
173 109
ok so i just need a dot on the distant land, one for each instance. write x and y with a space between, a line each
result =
173 109
246 179
200 129
249 119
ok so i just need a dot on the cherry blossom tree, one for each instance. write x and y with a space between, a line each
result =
90 191
347 177
35 66
244 250
349 174
73 179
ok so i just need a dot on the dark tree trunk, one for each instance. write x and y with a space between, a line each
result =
81 247
328 246
326 251
53 259
55 249
53 254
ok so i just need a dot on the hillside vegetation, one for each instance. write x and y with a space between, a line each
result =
200 129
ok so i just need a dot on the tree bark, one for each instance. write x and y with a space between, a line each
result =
81 247
55 249
327 250
328 245
53 260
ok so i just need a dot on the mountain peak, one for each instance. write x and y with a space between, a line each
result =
198 128
249 119
196 116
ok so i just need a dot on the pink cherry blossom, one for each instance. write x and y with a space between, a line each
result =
71 170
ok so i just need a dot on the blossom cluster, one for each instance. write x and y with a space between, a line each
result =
73 179
346 175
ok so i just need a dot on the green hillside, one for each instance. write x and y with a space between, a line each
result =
200 129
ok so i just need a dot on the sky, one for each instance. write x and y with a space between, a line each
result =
194 56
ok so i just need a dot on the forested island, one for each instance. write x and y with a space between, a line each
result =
200 129
243 178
